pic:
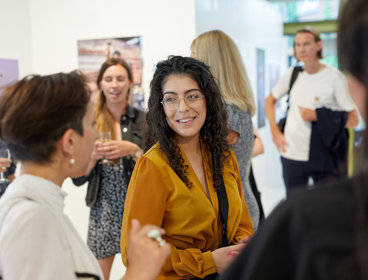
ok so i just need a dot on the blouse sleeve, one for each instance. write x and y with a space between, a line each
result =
145 200
148 193
245 227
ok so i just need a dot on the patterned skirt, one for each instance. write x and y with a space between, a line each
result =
106 215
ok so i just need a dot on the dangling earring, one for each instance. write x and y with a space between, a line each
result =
72 161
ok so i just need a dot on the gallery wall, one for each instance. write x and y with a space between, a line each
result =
15 33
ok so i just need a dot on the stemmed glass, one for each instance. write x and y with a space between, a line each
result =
104 138
4 153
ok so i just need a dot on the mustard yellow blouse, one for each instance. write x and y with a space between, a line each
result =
192 223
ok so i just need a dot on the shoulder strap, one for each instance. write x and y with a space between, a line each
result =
223 211
294 76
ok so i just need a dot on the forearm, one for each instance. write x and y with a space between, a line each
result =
189 263
353 119
270 113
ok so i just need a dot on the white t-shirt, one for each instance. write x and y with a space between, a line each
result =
326 88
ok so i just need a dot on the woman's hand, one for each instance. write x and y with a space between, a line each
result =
145 256
97 154
224 256
118 148
4 164
245 240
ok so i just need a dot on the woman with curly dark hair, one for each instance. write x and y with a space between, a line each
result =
188 162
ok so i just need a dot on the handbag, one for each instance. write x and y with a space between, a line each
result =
294 76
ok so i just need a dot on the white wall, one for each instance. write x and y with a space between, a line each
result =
252 24
166 26
15 35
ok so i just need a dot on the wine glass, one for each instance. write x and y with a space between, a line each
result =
104 138
4 153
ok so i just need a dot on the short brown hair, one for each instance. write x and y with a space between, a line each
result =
316 36
36 111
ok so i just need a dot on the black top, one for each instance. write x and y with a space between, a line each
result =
312 235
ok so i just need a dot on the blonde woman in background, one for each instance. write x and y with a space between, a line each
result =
112 162
219 51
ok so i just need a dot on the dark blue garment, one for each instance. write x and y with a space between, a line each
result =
329 142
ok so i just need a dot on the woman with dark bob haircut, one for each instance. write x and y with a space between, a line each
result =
175 184
321 233
49 125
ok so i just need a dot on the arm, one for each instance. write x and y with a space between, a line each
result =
277 136
261 258
258 147
118 148
232 137
353 119
308 115
240 226
5 164
244 226
131 145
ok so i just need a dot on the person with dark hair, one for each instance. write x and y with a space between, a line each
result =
112 162
178 183
314 141
321 233
49 124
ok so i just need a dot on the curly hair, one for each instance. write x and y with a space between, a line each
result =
214 129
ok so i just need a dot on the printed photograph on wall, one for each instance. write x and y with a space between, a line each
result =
260 60
9 73
93 52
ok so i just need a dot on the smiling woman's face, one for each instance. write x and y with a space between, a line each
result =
115 84
189 117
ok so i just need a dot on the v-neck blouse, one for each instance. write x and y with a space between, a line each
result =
156 195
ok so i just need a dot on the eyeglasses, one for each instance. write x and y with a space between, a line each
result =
171 101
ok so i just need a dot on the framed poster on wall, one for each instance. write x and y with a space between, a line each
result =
92 54
9 73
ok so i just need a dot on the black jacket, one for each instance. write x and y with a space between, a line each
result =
131 128
329 142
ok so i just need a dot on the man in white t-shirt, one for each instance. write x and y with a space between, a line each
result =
317 86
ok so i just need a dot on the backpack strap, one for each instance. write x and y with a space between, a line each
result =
294 76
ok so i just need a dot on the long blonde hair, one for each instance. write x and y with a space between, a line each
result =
104 119
219 51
